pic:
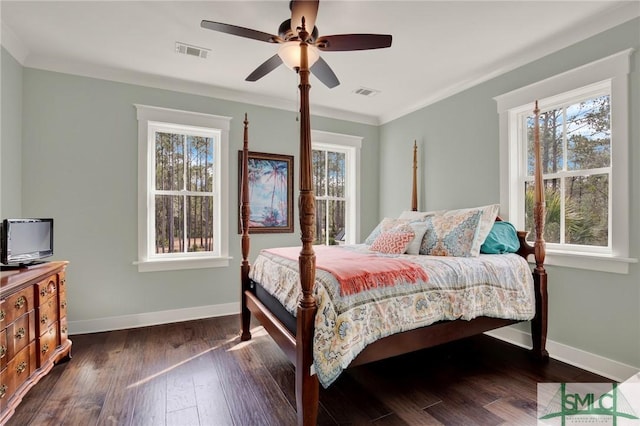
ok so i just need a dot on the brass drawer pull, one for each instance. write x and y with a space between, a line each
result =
21 367
20 302
21 333
3 351
44 318
65 329
45 349
2 315
3 391
51 288
63 304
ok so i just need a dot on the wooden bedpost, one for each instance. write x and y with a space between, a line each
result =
245 314
539 323
307 387
414 191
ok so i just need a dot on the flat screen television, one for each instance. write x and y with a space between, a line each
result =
26 241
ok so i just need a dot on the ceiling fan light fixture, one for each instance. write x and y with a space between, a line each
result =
289 52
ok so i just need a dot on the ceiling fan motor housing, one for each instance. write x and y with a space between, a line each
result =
284 31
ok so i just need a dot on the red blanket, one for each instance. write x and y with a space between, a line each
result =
357 272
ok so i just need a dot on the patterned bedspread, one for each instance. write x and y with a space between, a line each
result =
499 286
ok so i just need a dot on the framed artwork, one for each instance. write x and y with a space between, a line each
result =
270 192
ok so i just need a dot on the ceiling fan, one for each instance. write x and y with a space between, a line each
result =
295 30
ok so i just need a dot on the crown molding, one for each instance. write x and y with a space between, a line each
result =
626 12
10 41
19 51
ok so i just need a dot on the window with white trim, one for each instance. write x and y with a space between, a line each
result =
182 189
584 147
336 161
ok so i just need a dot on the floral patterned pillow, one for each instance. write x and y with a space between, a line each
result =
467 227
451 234
394 241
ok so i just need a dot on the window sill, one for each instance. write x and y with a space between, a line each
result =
178 264
589 261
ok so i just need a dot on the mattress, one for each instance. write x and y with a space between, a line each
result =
499 286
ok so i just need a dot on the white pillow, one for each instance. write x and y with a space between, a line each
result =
489 214
412 215
419 229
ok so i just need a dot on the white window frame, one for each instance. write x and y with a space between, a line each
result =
150 120
613 72
350 146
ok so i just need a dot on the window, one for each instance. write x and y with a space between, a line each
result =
584 147
182 189
336 161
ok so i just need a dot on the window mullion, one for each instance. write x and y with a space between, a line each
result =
563 180
326 194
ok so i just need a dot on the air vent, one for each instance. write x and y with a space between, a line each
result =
366 92
187 49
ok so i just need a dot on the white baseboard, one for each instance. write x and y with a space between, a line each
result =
597 364
152 318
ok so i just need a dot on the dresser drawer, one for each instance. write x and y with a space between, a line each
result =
4 388
20 333
17 305
64 330
62 293
4 349
47 313
62 282
48 343
47 288
17 372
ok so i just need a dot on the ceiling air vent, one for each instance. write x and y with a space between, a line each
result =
187 49
366 92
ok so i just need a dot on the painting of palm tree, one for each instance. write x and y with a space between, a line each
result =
270 192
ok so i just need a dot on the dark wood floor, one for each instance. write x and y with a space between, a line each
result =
199 373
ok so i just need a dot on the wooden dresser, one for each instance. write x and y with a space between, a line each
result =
33 329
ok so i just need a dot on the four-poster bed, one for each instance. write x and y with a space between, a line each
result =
297 339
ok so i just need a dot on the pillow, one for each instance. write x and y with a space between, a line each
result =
489 214
386 224
419 229
411 215
394 241
452 222
452 233
503 238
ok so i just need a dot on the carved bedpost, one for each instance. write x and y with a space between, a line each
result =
307 388
414 191
245 314
539 323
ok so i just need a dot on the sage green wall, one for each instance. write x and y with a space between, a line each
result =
458 138
80 167
11 142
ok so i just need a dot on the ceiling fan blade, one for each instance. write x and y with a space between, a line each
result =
306 8
324 73
343 42
267 66
240 31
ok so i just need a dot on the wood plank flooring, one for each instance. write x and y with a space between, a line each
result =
199 373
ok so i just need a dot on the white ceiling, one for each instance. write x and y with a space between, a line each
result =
439 47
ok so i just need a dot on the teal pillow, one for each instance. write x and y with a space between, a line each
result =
502 238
